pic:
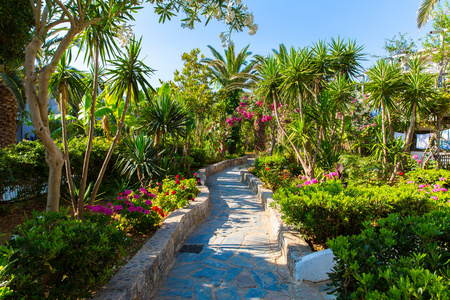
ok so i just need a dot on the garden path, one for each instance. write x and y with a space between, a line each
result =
231 255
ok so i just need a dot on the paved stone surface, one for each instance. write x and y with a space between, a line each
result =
239 259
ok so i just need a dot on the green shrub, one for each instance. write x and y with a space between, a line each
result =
400 258
199 156
427 176
58 257
5 257
326 210
176 193
23 164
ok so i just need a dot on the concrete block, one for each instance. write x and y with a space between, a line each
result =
315 266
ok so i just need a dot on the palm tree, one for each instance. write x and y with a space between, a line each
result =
139 157
419 90
11 95
127 77
425 10
66 84
385 81
164 116
233 74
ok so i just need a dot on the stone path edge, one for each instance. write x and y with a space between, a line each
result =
140 277
292 245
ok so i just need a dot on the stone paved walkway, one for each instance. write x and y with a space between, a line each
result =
236 258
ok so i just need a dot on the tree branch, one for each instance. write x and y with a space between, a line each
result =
67 12
91 22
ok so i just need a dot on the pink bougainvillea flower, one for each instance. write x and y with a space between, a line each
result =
131 208
148 202
422 186
307 182
119 197
147 212
437 186
314 181
419 161
118 208
139 209
442 179
136 196
415 157
127 192
434 197
299 185
143 190
409 182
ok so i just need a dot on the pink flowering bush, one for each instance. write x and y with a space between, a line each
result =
251 109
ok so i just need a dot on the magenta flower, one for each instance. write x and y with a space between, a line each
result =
415 157
127 192
108 212
139 209
131 208
419 161
118 208
159 183
307 182
437 186
314 181
88 206
409 182
442 179
147 212
300 185
444 190
136 196
434 197
119 197
148 202
143 190
422 186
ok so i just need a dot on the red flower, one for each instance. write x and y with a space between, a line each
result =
183 178
192 199
174 192
267 168
177 181
177 176
182 186
167 193
400 173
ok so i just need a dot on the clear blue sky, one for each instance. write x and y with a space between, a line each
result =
292 22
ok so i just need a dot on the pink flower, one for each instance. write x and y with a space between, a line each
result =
437 186
127 192
300 185
434 197
409 182
259 103
147 212
177 181
442 179
119 197
195 174
159 183
422 186
314 181
148 202
139 209
415 157
118 208
307 182
419 161
136 196
131 208
143 190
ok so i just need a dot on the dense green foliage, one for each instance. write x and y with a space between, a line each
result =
16 22
23 165
329 209
58 257
176 193
400 258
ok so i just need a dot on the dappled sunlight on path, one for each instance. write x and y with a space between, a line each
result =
231 255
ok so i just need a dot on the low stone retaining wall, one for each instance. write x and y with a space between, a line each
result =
145 271
292 245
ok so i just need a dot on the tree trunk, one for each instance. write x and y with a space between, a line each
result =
111 149
8 116
273 136
87 155
383 129
259 130
63 97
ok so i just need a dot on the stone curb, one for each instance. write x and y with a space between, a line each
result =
290 241
140 277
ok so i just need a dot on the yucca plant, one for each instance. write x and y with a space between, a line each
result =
139 157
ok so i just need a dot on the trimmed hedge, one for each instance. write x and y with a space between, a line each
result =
400 258
327 210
